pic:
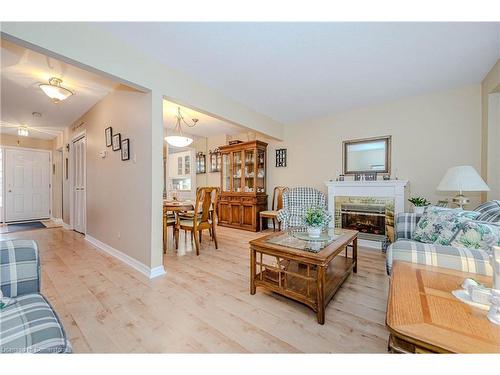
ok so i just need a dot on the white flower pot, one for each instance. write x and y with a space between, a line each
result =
314 232
419 209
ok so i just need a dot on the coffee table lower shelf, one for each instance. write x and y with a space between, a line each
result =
311 283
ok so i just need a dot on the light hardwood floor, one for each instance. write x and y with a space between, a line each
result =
203 304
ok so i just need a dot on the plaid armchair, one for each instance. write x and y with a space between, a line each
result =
28 323
295 203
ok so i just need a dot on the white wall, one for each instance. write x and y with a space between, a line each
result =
430 133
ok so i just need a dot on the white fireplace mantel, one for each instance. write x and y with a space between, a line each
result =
396 189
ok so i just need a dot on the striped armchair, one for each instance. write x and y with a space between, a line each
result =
295 203
28 323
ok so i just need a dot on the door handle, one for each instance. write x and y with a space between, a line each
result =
10 191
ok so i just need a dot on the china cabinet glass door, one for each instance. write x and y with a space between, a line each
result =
226 172
237 163
249 170
261 171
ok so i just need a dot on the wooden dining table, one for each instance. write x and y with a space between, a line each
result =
178 206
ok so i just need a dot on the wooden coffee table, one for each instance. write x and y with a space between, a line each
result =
284 264
424 317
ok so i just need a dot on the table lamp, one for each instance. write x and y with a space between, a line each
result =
462 178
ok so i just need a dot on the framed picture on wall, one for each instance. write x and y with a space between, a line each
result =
125 149
108 132
117 140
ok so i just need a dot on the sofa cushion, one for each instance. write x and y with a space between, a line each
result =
19 267
461 259
439 225
30 325
489 211
477 235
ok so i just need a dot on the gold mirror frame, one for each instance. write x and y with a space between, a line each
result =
387 139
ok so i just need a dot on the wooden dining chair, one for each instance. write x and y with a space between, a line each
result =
204 217
277 204
168 221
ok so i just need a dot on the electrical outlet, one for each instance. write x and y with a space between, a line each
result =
119 235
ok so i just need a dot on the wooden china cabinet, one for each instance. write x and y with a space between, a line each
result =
243 185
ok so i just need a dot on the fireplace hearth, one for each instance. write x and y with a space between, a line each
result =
368 219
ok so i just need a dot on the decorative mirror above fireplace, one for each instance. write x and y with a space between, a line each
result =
367 155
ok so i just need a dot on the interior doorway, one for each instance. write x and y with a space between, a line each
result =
79 217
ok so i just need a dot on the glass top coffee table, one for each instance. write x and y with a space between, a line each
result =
305 269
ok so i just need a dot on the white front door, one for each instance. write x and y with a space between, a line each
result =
27 185
79 193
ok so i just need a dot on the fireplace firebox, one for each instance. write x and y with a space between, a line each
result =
367 219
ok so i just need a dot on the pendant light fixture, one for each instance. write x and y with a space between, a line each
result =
55 91
178 139
23 131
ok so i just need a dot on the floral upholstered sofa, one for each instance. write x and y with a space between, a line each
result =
463 245
28 323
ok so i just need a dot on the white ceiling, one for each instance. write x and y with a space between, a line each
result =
207 125
297 71
23 70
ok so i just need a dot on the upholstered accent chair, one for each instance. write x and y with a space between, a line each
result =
295 203
28 323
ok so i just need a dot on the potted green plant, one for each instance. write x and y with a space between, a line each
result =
315 220
419 204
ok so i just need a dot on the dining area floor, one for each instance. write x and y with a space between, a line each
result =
203 303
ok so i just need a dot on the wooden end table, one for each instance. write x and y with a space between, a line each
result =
424 317
287 265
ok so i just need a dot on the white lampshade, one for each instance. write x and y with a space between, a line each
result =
462 178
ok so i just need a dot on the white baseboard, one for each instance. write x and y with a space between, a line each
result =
135 264
57 220
66 226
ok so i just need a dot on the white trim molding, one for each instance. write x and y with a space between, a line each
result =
149 272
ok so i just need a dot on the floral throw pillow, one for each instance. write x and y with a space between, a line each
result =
477 235
439 225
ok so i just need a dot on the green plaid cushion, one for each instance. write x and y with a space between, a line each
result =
19 267
489 211
406 224
30 325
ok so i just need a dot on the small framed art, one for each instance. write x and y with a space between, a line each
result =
125 149
117 140
281 157
108 132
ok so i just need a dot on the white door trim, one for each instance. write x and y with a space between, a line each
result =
76 137
4 212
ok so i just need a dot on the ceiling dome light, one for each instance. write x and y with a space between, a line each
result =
177 139
55 91
22 131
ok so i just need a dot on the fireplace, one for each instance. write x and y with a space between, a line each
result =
367 218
